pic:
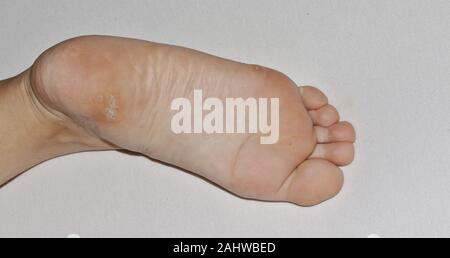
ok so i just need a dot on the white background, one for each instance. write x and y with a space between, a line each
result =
385 64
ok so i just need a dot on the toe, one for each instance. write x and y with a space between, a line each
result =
313 98
340 132
339 153
314 182
325 116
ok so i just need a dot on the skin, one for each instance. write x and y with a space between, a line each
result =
103 93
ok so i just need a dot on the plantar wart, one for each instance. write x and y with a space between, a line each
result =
111 111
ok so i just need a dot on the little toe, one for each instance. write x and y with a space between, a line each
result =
313 98
314 182
339 153
325 116
340 132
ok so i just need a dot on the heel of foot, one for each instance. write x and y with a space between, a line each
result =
41 96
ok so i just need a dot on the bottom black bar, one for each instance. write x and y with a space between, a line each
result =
226 247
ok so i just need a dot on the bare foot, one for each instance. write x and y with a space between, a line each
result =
112 93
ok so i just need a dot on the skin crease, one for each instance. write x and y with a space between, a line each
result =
104 93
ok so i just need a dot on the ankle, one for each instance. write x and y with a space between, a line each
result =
20 111
36 120
29 134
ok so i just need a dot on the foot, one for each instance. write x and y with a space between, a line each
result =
116 93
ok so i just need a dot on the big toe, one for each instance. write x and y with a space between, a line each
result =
314 182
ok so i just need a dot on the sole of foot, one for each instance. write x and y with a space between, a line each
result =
116 93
